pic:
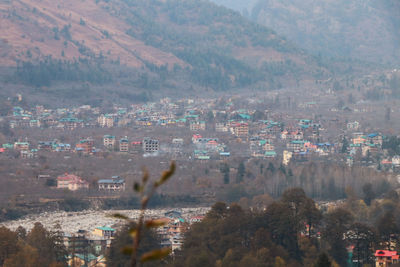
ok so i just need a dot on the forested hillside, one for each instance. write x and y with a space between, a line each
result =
364 30
244 7
147 45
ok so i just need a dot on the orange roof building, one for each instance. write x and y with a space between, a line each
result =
385 258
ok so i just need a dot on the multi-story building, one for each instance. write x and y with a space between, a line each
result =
295 145
268 146
369 149
177 241
71 123
359 140
396 160
34 123
197 125
172 233
292 134
76 243
46 145
21 146
82 242
274 129
105 120
60 147
86 259
221 127
71 182
28 154
353 125
150 145
177 145
85 146
287 156
48 121
124 145
109 141
196 138
104 232
136 147
375 138
116 183
240 129
384 258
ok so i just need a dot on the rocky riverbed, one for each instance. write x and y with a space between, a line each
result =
88 220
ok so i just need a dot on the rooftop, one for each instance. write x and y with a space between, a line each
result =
105 228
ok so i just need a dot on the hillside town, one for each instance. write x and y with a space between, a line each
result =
199 131
203 130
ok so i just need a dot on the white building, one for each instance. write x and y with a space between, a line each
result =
116 183
150 145
396 160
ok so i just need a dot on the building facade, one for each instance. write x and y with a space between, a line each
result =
150 145
116 183
71 182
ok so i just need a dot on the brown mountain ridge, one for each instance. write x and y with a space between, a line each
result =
145 45
37 26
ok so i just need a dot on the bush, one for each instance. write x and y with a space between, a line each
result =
73 204
11 214
51 182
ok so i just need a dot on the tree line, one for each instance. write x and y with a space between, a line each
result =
38 247
48 70
320 180
291 231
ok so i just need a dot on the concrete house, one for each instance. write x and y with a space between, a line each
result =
116 183
197 125
150 145
71 182
109 141
105 232
384 258
124 144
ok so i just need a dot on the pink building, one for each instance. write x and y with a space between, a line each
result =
385 258
71 182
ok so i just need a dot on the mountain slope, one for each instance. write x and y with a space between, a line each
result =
68 30
361 29
244 7
145 45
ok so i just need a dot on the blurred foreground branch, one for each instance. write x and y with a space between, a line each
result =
146 191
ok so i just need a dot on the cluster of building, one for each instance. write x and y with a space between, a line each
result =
87 248
73 182
86 146
215 128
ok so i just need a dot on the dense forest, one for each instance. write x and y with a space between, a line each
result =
39 247
45 71
320 180
292 231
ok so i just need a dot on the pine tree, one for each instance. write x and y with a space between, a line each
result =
345 145
323 261
240 172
